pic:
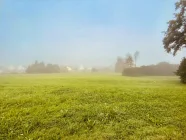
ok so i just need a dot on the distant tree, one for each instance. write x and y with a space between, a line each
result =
136 56
120 65
129 60
42 68
56 68
63 69
36 62
161 69
48 68
175 36
182 71
163 64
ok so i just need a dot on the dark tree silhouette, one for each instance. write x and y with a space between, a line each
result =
182 71
129 61
175 36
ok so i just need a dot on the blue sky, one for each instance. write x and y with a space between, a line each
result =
87 32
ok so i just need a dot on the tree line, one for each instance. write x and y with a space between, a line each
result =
160 69
40 67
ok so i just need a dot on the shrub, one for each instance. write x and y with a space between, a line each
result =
182 71
161 69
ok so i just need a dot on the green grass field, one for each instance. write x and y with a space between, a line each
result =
91 106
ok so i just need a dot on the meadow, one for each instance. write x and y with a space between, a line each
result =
91 106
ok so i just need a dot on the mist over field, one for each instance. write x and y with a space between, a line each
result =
92 69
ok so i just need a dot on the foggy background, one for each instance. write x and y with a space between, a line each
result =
84 32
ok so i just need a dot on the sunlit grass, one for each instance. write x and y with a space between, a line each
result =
91 106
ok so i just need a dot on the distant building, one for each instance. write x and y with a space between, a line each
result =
69 68
20 69
12 69
81 68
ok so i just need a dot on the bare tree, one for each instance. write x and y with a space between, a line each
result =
120 64
136 56
129 60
